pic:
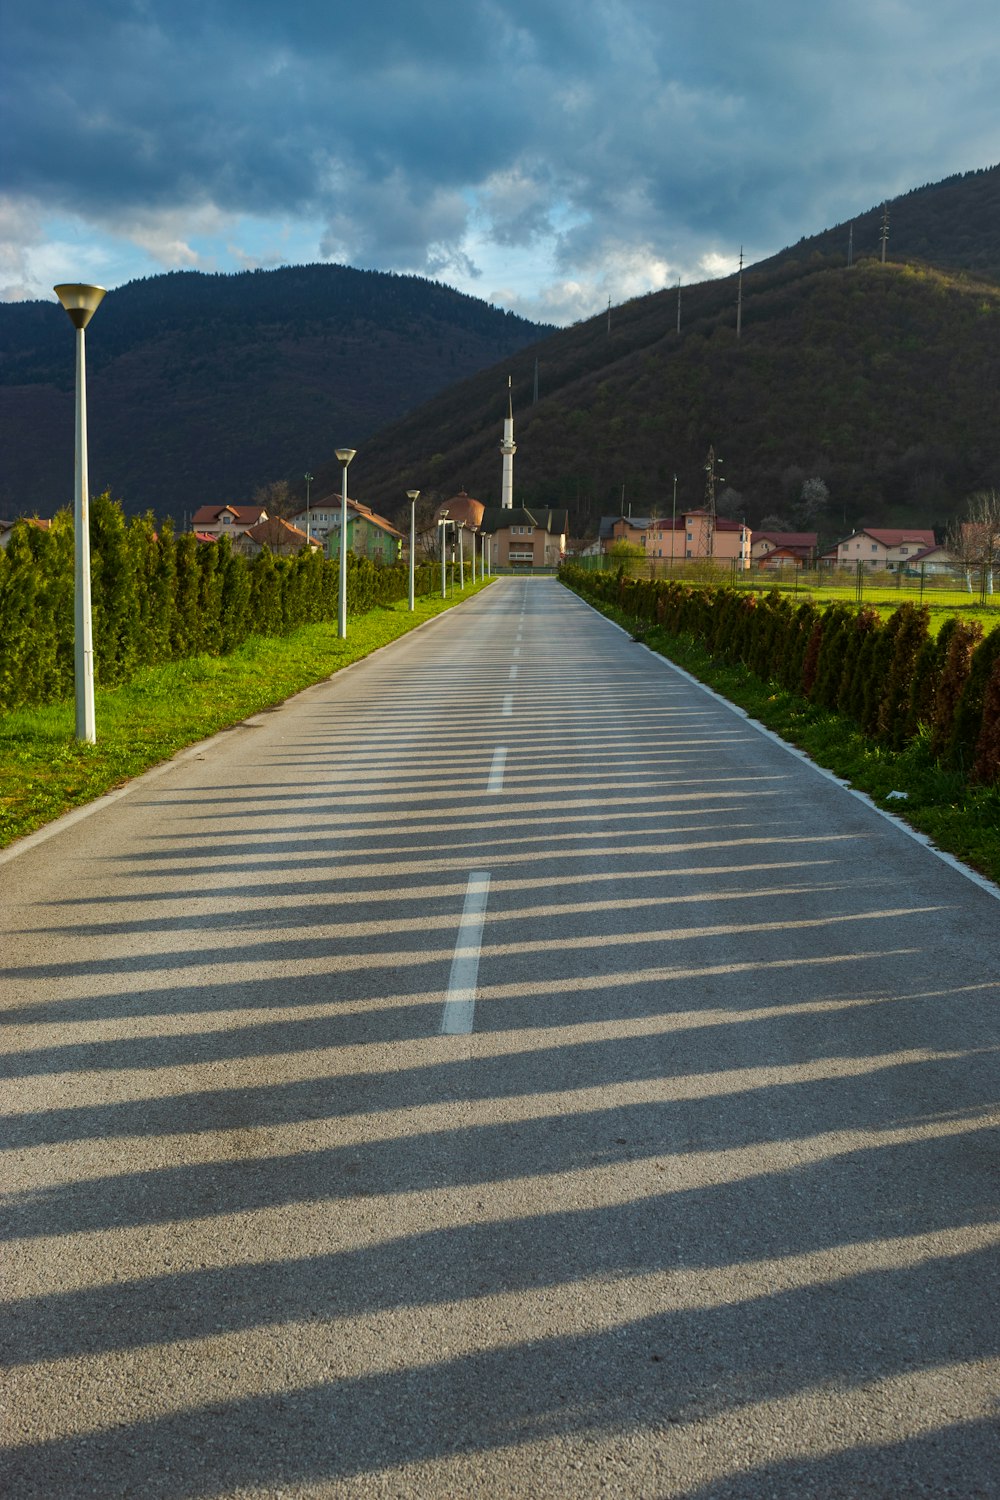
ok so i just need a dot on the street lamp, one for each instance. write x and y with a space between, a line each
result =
344 456
81 302
443 524
461 558
309 480
413 496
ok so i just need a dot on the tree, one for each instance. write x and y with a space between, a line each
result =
974 541
813 500
277 498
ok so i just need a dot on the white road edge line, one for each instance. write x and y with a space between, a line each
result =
460 1005
508 705
495 783
513 673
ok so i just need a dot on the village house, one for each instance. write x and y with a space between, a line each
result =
526 536
773 549
883 549
6 527
278 536
695 534
368 535
226 520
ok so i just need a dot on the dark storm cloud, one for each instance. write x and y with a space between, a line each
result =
416 130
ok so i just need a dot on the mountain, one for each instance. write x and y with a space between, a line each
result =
879 379
203 388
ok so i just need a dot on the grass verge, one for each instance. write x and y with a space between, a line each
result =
45 771
962 820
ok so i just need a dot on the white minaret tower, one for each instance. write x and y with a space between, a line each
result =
508 448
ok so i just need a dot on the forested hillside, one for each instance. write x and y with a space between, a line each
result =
203 388
879 379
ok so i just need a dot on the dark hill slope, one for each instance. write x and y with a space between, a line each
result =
204 387
954 225
880 379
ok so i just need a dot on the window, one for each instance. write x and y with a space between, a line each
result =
874 546
227 519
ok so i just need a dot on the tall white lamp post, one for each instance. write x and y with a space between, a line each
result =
461 557
309 480
443 527
81 302
344 456
413 496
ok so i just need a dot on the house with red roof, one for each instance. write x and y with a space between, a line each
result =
226 520
796 548
883 548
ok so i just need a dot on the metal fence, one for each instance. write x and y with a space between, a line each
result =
975 586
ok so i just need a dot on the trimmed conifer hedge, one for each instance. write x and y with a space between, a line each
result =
159 597
889 676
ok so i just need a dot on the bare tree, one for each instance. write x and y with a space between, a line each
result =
974 540
277 498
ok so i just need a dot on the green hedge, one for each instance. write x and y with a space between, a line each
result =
159 597
889 676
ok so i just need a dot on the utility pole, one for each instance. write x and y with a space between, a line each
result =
712 478
884 236
609 317
850 248
678 304
739 298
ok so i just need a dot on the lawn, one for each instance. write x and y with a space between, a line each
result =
45 771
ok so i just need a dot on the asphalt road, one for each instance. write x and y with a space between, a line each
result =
500 1071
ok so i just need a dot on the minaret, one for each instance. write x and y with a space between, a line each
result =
508 448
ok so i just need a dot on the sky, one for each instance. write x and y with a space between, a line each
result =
544 155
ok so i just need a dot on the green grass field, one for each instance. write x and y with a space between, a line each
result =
45 771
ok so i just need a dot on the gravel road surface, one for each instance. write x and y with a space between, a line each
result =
500 1071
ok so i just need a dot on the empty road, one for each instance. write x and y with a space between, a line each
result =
500 1071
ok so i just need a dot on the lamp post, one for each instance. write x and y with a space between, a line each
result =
461 558
344 456
412 496
309 480
443 528
81 302
673 527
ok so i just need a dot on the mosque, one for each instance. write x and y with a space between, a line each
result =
523 536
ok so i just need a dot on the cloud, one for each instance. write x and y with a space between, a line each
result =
606 139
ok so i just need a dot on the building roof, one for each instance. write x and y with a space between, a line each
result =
544 517
245 515
794 539
462 507
894 536
277 534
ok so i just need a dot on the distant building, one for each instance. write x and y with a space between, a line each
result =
368 535
883 549
6 527
462 508
796 546
693 536
526 536
278 536
227 520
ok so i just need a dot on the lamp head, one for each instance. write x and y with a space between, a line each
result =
344 455
412 495
80 301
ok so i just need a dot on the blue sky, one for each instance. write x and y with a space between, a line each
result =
544 155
